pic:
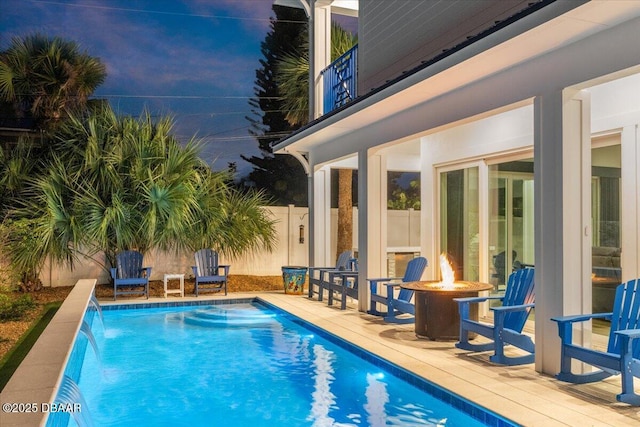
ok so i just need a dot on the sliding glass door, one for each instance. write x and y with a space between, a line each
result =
606 206
511 232
459 221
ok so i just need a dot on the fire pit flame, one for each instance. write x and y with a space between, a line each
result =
446 271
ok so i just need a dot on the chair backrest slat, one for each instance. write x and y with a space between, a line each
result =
207 262
344 260
626 315
413 273
129 264
520 290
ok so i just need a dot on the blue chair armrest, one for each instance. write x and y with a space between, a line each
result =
373 283
565 324
348 273
477 299
147 272
631 333
226 269
513 308
113 273
384 279
331 273
313 269
581 317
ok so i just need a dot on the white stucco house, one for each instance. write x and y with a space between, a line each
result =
521 118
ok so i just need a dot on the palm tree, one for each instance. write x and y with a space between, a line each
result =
45 77
293 82
122 183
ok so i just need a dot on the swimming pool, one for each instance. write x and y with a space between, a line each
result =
243 364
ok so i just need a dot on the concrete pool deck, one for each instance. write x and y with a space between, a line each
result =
517 393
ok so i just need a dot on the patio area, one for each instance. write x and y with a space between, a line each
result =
518 393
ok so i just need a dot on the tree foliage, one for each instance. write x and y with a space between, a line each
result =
292 76
403 196
281 176
43 78
104 183
292 73
119 183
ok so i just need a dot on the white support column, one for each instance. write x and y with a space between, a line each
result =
311 233
562 154
320 57
429 209
372 222
630 213
321 240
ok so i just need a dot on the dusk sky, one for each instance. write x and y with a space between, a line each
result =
192 59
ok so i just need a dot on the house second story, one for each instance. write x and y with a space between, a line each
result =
399 37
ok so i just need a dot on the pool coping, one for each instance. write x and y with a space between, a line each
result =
34 383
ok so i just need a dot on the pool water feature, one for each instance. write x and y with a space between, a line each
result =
246 364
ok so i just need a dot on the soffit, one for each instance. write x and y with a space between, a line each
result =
465 67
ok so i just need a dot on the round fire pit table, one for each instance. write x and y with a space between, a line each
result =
437 316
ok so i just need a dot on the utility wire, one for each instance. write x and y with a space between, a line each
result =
158 12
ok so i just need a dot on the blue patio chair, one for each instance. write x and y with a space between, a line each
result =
508 320
130 275
345 282
209 275
623 349
342 264
400 304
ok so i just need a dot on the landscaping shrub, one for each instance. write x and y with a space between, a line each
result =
12 309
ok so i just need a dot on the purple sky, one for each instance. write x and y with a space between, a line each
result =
192 59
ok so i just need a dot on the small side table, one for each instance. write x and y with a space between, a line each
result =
168 277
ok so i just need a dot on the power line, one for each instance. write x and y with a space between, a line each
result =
185 96
158 12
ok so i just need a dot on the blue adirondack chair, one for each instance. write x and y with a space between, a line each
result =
317 280
623 350
209 275
400 304
128 274
508 320
345 282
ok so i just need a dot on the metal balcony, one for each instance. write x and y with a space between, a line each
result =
340 80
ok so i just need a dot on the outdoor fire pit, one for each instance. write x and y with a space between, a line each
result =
437 316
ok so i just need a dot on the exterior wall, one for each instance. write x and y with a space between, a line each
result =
404 230
395 36
288 251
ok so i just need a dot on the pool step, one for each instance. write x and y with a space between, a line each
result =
228 316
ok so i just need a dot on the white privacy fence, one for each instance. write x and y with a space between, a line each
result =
292 248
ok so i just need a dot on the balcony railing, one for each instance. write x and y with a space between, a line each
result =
340 80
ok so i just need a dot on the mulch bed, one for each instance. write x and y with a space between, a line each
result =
11 331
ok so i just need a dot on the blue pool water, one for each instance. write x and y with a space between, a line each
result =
244 365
